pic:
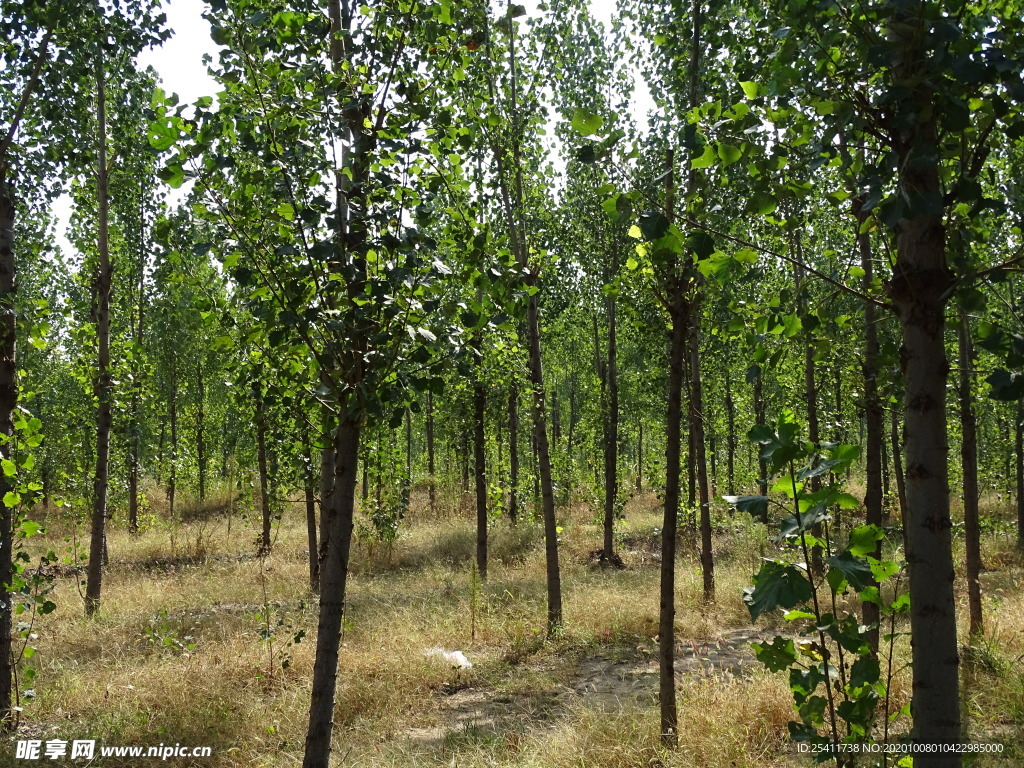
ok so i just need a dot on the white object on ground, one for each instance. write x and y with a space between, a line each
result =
457 658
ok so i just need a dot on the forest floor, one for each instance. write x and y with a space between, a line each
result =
201 643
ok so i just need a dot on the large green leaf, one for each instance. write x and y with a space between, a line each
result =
706 160
778 584
846 568
777 655
586 122
756 506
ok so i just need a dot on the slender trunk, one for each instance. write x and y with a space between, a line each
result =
886 481
872 411
570 441
465 463
104 384
897 465
8 402
309 491
172 474
431 483
328 459
201 431
261 458
554 580
366 476
479 462
513 453
337 512
811 398
969 465
711 438
919 289
1018 450
556 418
135 455
759 419
611 438
351 192
160 452
730 417
691 456
673 446
670 524
640 456
407 479
707 558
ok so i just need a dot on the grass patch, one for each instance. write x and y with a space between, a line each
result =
199 642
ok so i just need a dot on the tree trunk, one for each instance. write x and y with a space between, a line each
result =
328 459
201 431
261 458
670 523
730 416
407 478
897 466
969 465
337 512
872 411
673 446
513 453
135 449
611 439
554 580
309 491
919 290
691 454
1019 456
172 475
104 385
479 462
8 402
707 558
640 456
760 420
431 483
810 396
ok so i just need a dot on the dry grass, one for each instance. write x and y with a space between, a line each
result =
179 655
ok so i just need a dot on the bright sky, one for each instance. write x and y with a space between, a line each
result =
179 63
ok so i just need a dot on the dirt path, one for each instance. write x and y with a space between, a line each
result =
602 682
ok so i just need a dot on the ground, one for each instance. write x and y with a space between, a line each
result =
201 643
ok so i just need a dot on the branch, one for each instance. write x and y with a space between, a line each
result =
26 94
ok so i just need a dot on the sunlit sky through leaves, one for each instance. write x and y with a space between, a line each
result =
179 63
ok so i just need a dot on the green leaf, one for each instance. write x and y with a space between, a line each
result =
865 671
586 122
853 570
12 499
708 159
777 655
882 570
286 211
863 539
729 153
1006 386
9 467
778 584
756 506
762 204
750 88
653 224
701 243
